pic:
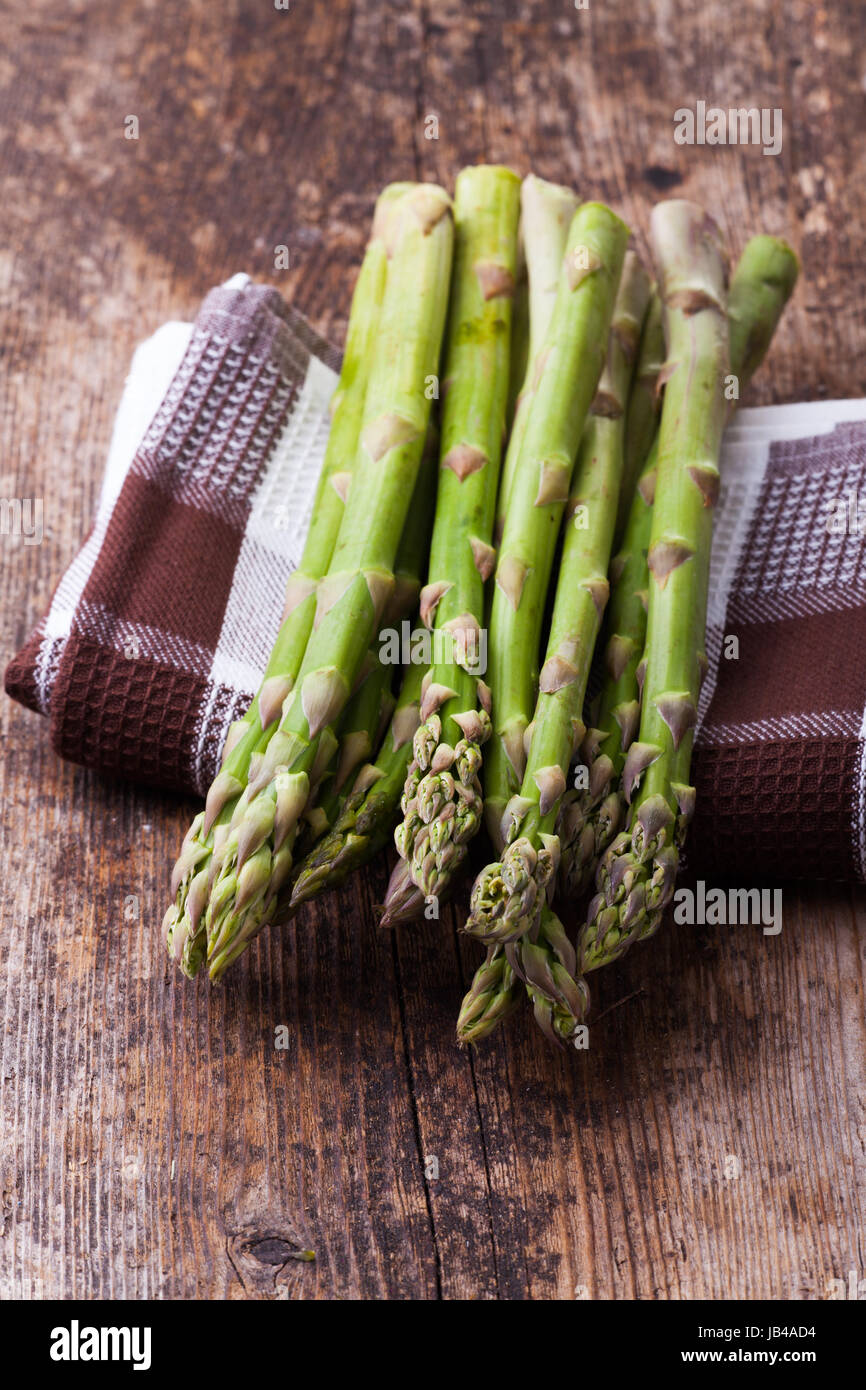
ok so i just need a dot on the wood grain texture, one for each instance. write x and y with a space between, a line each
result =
153 1141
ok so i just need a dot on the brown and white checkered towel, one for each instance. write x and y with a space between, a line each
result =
158 633
780 762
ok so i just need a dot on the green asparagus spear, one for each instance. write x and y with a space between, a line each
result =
442 799
546 213
761 286
591 815
547 966
568 368
544 968
637 874
492 996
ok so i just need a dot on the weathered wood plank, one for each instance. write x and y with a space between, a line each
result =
154 1142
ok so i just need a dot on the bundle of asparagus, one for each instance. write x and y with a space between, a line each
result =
606 405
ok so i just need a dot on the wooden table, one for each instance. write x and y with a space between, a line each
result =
154 1142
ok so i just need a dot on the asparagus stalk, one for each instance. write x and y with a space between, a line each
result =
410 566
568 371
546 213
366 821
442 798
762 283
367 712
519 331
590 816
255 859
637 874
372 704
644 404
508 896
249 738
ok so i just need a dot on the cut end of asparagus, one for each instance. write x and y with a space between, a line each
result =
421 205
691 257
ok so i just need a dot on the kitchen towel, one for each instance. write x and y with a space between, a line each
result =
157 634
